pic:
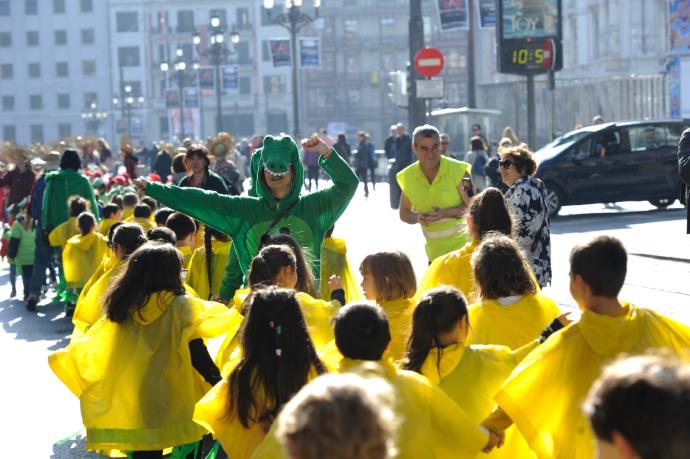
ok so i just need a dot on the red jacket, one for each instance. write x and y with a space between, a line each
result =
20 184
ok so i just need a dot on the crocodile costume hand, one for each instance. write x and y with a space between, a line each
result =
247 218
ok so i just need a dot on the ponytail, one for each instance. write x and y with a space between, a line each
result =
268 263
86 223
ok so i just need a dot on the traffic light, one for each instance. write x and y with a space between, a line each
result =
398 88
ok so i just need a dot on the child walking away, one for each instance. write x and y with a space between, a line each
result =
133 370
543 396
207 265
388 278
59 236
129 202
21 251
334 262
185 232
488 212
511 312
470 375
112 213
81 258
142 217
278 358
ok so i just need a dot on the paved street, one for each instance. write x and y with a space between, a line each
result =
38 411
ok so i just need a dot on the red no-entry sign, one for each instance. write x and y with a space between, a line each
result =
428 62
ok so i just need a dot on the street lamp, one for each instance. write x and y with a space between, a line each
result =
293 21
93 118
127 104
181 76
217 53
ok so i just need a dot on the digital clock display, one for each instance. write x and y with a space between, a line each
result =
523 57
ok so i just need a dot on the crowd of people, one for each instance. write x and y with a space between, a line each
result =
220 317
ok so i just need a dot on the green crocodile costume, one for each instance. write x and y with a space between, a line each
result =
247 218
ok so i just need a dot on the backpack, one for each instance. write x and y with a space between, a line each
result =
478 165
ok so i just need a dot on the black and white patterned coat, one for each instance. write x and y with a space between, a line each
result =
532 229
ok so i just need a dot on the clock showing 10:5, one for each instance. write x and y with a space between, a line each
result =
524 56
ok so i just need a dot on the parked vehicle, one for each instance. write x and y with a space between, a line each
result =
612 162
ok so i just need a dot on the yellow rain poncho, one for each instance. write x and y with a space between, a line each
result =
334 262
197 277
452 269
145 223
513 325
211 412
544 394
90 303
472 376
105 225
186 255
127 214
135 380
82 256
399 313
59 236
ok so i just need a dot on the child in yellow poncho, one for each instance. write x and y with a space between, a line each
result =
82 256
129 202
185 232
544 394
470 375
112 214
278 358
60 234
388 278
133 369
334 262
207 265
511 312
487 212
142 217
126 238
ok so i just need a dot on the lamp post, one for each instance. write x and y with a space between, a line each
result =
217 53
127 104
93 118
293 21
181 75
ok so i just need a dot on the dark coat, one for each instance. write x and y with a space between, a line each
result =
684 169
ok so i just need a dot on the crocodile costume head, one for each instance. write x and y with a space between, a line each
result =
277 156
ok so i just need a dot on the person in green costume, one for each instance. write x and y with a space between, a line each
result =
275 203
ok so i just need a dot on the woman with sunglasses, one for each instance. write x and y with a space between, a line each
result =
525 197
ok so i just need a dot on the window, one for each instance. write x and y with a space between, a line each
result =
5 39
60 37
5 8
245 85
275 84
36 133
31 7
35 102
6 71
58 6
86 6
34 70
88 36
128 56
90 97
64 130
242 19
582 150
127 21
32 38
88 68
351 28
243 56
63 101
61 69
266 51
163 125
387 27
608 143
185 21
136 87
222 14
8 103
9 133
646 138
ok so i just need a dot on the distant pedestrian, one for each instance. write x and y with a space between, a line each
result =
163 162
20 180
343 148
476 131
311 162
373 164
129 161
104 153
389 145
362 161
445 143
510 134
478 158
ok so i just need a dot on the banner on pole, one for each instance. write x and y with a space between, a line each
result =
191 97
452 14
310 52
206 78
280 52
230 80
487 13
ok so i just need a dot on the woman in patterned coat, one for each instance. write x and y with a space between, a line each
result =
528 206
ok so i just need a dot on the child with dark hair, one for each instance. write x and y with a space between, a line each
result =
149 343
639 406
511 310
142 217
117 200
162 234
185 232
81 257
487 212
58 237
207 265
124 240
161 216
305 276
111 213
543 395
278 358
129 202
470 375
149 201
388 278
431 424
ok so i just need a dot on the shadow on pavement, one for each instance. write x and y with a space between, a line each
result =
612 220
47 324
72 447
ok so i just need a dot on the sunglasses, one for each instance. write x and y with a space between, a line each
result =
444 143
506 164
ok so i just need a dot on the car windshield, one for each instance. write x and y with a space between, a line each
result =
565 140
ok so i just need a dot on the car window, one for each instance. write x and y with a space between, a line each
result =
674 133
609 143
582 150
644 138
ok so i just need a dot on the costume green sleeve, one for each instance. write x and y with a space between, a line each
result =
234 277
213 209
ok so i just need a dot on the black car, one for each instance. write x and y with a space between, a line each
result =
622 161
